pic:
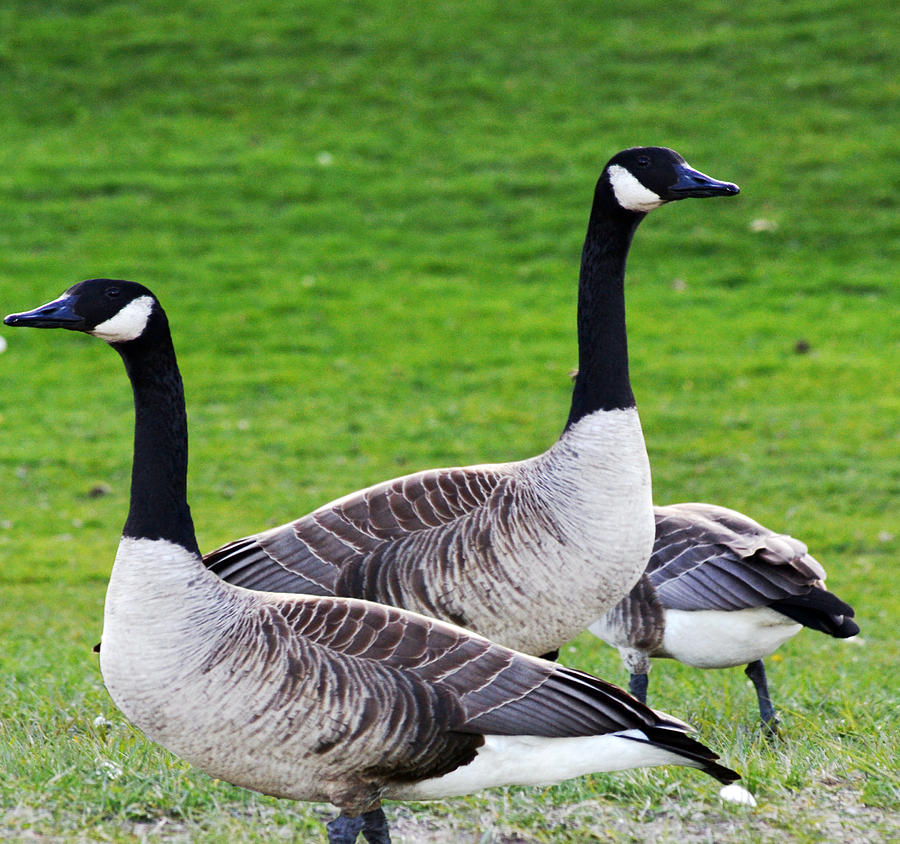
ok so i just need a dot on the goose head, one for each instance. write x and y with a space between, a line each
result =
113 310
643 178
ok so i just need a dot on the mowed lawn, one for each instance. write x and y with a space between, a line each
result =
364 221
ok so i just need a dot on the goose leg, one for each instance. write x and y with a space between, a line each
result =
757 673
344 830
375 827
637 685
551 656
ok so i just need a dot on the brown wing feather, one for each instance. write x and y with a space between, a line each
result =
639 618
495 689
708 557
390 696
308 555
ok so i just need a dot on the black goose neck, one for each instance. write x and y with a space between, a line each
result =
158 508
603 382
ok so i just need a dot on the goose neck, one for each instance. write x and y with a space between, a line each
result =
603 381
158 507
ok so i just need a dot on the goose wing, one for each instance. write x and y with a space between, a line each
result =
308 555
402 697
495 690
637 621
707 557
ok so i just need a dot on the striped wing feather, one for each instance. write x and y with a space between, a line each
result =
638 620
496 690
711 558
400 697
308 555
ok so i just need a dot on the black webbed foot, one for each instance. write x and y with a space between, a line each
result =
373 826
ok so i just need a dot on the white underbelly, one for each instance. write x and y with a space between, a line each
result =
720 638
533 760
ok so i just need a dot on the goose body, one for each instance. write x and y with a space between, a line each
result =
525 553
332 692
314 697
492 548
720 590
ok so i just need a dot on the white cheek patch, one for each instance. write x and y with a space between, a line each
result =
127 324
630 193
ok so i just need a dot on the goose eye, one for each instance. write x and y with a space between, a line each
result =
643 161
112 292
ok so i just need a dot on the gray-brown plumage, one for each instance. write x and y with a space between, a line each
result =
525 553
473 546
720 590
310 697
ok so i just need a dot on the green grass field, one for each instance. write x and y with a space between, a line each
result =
365 220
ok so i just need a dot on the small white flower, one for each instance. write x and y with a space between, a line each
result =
735 793
109 769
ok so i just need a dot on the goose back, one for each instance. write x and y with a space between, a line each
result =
476 546
720 589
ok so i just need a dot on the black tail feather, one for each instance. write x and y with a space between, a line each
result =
687 747
820 610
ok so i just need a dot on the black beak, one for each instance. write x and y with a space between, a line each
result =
56 314
694 183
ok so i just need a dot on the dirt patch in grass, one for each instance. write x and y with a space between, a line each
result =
831 813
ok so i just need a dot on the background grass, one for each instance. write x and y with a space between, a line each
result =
364 220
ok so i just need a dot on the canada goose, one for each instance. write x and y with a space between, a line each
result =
525 553
320 698
720 590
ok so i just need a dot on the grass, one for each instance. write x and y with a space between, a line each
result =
364 220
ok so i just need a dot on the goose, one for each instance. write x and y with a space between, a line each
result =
315 697
525 553
720 590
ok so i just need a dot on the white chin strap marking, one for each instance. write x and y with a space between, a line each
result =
128 324
630 193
